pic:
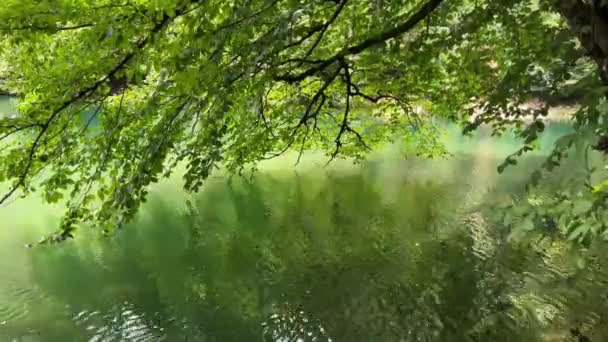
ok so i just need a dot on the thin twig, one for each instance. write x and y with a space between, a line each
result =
417 17
325 28
80 95
344 126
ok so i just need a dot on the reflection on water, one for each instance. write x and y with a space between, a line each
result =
393 250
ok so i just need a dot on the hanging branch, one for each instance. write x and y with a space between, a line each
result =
405 107
344 126
325 28
84 93
311 111
417 17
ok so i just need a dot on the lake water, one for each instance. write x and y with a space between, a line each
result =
394 249
7 105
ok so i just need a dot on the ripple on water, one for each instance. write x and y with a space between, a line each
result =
117 324
16 300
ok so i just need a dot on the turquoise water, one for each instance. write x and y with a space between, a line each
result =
395 249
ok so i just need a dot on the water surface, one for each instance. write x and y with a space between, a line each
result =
395 249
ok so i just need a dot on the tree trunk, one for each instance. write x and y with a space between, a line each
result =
589 20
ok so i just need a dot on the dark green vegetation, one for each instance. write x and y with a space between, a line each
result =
391 250
215 83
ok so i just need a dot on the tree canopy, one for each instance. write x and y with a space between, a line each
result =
115 95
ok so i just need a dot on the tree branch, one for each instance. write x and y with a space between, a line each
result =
245 18
79 96
344 126
16 129
417 17
309 112
325 27
52 28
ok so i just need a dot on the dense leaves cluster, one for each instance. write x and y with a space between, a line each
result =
114 95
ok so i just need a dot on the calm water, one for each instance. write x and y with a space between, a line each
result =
7 105
392 250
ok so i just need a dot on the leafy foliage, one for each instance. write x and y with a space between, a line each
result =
229 83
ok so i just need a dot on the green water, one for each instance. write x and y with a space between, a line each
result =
7 105
391 250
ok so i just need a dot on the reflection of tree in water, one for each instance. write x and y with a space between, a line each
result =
300 258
